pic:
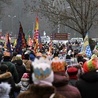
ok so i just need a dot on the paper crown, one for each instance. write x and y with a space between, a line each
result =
58 65
42 70
42 73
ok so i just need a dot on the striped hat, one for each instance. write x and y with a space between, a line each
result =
90 65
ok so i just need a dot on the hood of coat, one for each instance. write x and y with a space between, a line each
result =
5 76
91 76
43 90
60 79
4 90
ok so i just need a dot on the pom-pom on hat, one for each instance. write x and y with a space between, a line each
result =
90 65
25 77
43 73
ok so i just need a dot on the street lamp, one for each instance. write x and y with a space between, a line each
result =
12 17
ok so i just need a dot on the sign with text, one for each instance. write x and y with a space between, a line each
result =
59 36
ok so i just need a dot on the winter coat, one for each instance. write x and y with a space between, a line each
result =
88 85
72 82
62 86
12 69
4 90
28 64
40 92
7 77
20 68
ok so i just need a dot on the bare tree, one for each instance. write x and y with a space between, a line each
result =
78 15
3 4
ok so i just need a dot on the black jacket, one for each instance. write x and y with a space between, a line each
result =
88 85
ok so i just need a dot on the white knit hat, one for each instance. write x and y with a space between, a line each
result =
43 73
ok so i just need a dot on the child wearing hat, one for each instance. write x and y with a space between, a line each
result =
25 82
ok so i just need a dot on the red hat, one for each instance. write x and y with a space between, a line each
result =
25 77
72 71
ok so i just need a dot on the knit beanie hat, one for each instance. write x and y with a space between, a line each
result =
43 73
72 72
25 77
90 65
58 65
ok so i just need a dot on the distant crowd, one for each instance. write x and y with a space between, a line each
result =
53 71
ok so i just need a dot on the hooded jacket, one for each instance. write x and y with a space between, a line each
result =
7 77
4 90
40 92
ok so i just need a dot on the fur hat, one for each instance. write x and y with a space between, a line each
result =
43 73
25 77
58 65
4 90
90 65
72 71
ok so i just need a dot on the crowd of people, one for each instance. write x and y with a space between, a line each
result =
56 72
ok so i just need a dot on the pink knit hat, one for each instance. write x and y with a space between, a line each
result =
25 77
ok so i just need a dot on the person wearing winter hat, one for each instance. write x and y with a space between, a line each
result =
61 80
42 77
91 64
4 90
88 81
25 82
72 72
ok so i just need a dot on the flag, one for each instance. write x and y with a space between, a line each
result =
36 37
36 30
15 42
7 43
39 41
21 41
86 47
